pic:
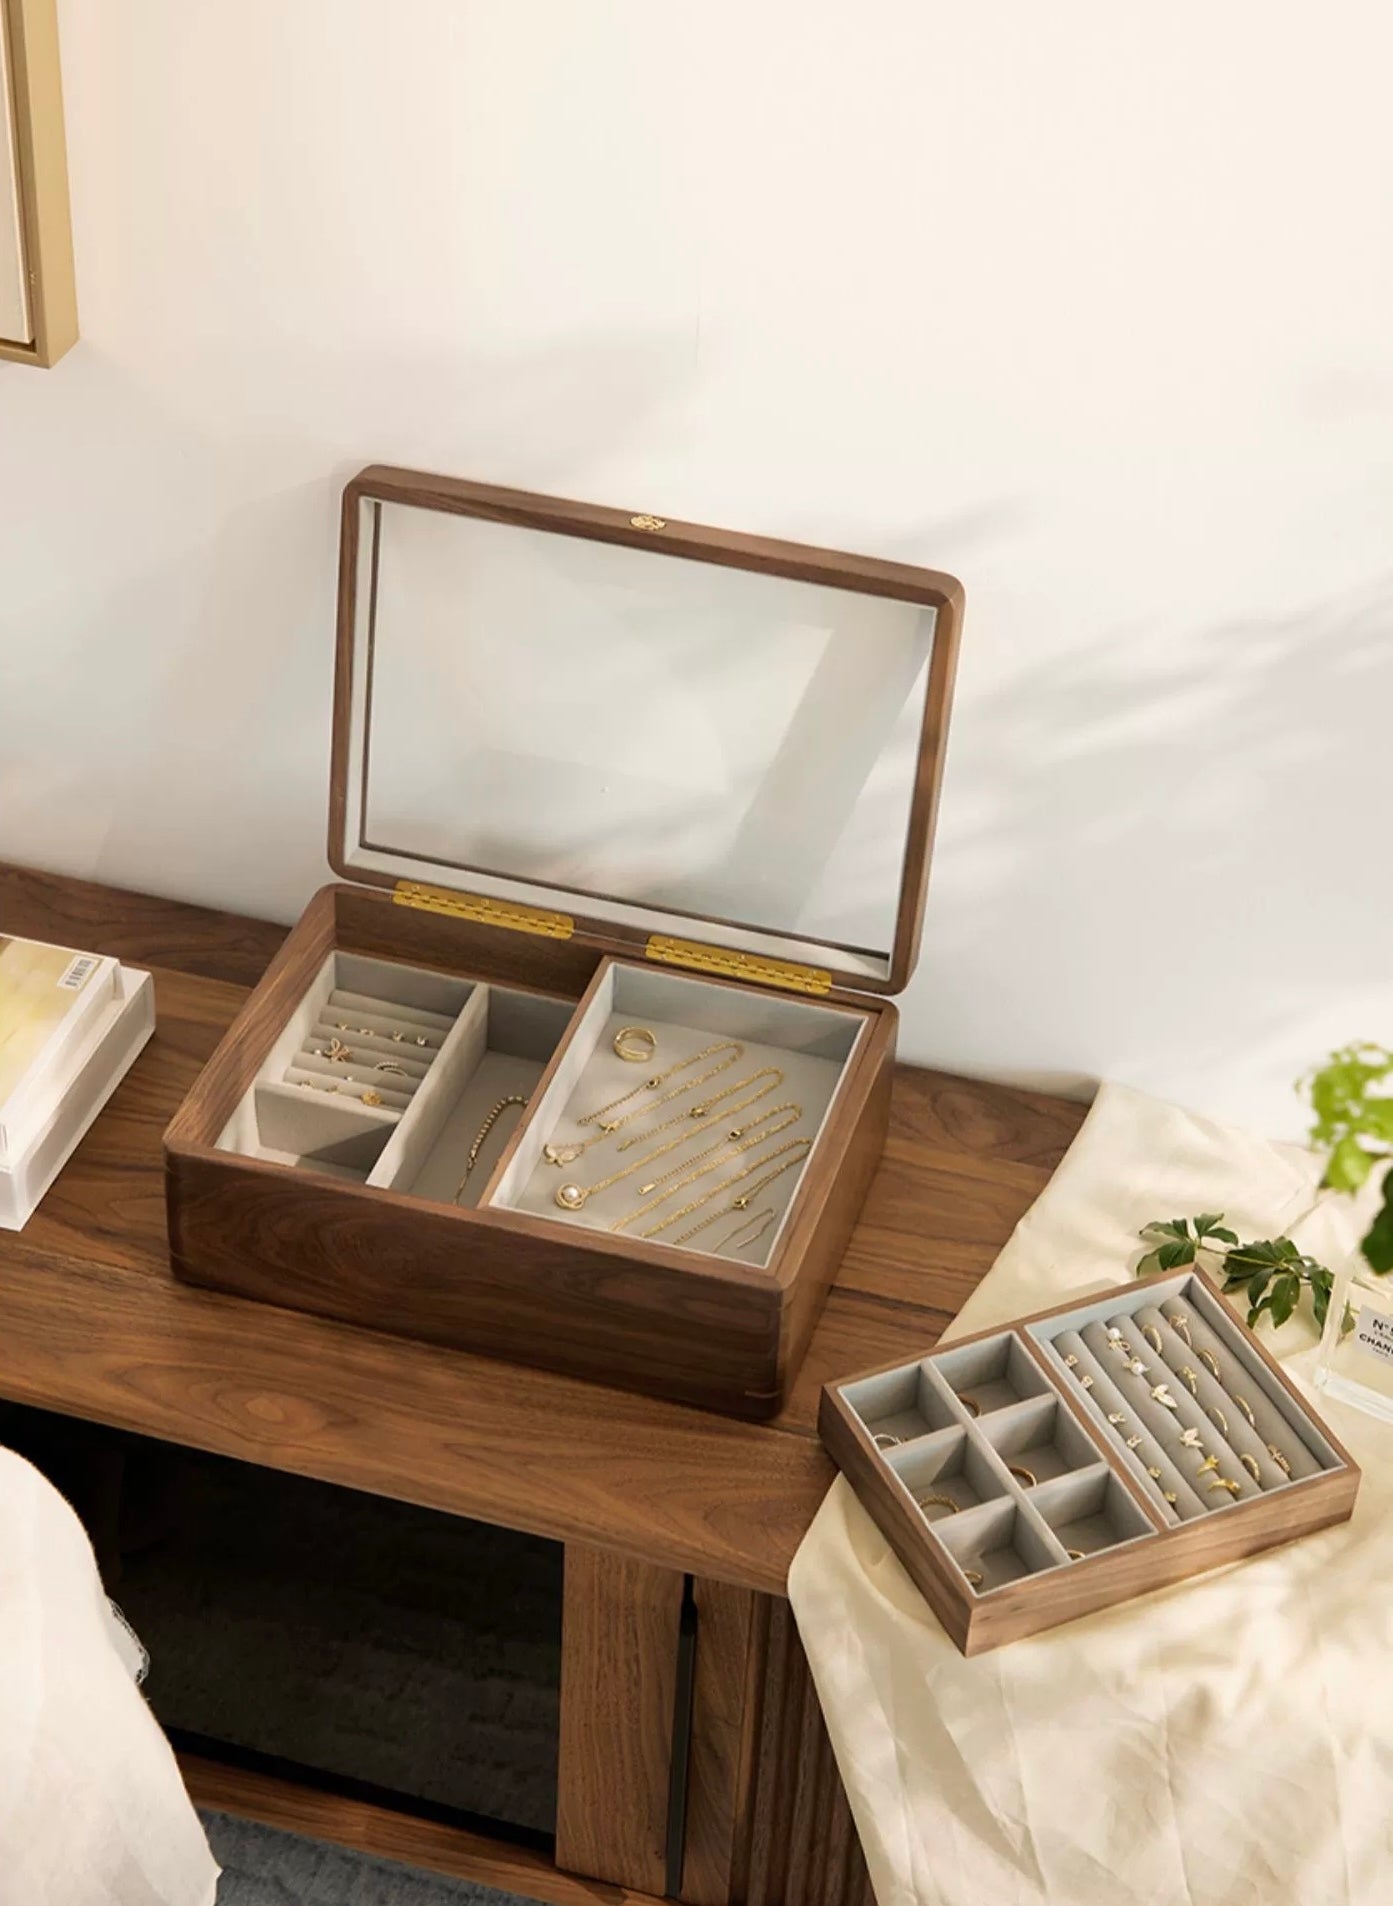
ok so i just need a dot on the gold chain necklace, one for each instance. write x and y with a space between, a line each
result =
709 1104
800 1145
661 1078
746 1198
573 1197
567 1154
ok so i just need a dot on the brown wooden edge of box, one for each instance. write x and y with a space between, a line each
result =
864 575
1017 1609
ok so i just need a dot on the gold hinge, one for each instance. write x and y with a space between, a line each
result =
754 968
488 912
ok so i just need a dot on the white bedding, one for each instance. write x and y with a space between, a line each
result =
92 1809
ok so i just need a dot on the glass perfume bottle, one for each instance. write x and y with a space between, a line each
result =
1356 1348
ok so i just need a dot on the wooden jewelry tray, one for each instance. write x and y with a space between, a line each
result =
1073 1459
586 1063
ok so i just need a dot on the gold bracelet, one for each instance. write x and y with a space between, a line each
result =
481 1137
800 1146
573 1197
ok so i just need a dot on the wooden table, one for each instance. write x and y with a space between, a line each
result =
658 1506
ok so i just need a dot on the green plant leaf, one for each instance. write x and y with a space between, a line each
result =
1149 1264
1322 1283
1257 1284
1172 1256
1204 1225
1378 1243
1225 1236
1349 1165
1286 1293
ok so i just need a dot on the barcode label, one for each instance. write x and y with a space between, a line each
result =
78 974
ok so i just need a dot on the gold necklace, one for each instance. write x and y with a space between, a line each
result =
661 1078
756 1226
733 1151
573 1197
709 1104
743 1202
567 1154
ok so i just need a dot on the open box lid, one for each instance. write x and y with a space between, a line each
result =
710 749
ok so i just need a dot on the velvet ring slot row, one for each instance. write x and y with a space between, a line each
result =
1035 1473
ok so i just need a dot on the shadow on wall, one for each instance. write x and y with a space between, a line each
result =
1159 863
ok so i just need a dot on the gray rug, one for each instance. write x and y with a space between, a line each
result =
265 1868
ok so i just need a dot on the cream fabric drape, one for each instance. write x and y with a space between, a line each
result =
92 1809
1225 1743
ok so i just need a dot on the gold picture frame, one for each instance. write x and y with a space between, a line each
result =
31 72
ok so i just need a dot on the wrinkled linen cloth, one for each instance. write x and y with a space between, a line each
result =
92 1809
1228 1742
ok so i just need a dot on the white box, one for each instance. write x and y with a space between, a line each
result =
111 1045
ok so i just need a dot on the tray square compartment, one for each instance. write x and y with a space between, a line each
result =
1002 1542
717 818
992 1373
1039 1438
897 1406
1090 1510
950 1464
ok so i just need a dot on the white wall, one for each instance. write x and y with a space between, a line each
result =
1090 304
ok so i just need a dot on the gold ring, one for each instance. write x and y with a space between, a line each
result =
973 1577
1181 1325
1208 1357
1250 1463
1085 1381
1227 1482
883 1439
372 1098
970 1404
1074 1555
935 1501
1022 1474
1210 1462
1279 1459
1134 1442
1220 1419
636 1044
390 1065
1153 1337
1247 1410
1153 1472
1191 1377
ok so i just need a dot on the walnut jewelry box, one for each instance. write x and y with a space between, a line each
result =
1085 1455
586 1060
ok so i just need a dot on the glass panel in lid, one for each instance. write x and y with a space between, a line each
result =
646 739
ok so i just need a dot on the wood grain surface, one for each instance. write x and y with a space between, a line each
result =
618 1691
803 1846
732 1634
386 1834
